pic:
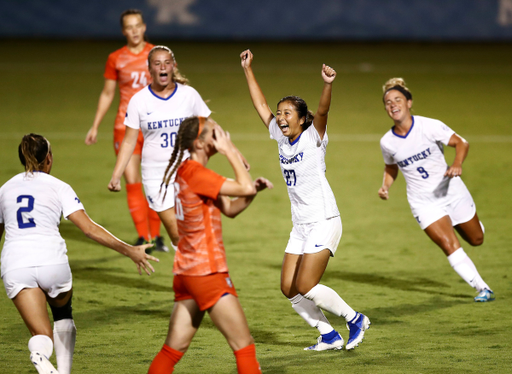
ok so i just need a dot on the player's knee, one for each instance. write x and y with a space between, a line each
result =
477 240
63 312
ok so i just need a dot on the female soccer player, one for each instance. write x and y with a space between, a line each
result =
128 67
35 267
201 278
438 198
158 111
302 141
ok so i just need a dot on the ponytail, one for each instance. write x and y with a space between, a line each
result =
33 151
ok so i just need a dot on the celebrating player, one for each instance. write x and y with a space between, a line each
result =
438 198
158 111
302 141
35 267
201 278
128 66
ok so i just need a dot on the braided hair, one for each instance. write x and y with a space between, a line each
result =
33 151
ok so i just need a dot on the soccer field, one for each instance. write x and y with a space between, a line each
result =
423 316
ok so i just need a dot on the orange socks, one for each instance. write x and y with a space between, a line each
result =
138 206
246 362
154 223
165 360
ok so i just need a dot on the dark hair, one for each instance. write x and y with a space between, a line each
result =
302 109
176 75
129 12
187 133
32 152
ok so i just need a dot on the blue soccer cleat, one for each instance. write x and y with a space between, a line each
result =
357 327
484 296
325 345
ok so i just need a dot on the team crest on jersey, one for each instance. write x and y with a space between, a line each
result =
228 281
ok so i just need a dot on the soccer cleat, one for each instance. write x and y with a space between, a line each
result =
325 345
42 364
356 330
159 244
484 296
141 241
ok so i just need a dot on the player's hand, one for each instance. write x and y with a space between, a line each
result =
91 137
246 58
262 183
140 257
222 140
383 193
328 74
453 171
114 185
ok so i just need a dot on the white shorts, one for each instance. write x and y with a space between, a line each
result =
460 210
53 279
155 197
315 237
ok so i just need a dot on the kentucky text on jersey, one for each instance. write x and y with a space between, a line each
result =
165 123
294 159
420 156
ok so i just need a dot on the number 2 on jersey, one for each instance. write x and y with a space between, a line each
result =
291 178
423 172
19 214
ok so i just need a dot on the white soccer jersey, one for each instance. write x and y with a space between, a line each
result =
303 168
420 156
31 206
159 120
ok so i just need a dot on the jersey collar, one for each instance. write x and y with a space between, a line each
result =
408 132
161 98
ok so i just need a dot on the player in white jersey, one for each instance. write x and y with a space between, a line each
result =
35 268
158 111
302 141
438 198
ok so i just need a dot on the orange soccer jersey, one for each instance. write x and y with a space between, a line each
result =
131 73
200 248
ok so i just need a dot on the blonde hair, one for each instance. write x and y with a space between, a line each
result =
396 84
176 75
33 151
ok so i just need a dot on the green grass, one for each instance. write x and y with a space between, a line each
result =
423 315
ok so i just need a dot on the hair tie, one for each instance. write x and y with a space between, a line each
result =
202 121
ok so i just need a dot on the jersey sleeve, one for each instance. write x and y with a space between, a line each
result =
199 107
132 117
386 154
70 201
204 182
110 67
438 131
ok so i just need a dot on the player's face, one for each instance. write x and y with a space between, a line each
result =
288 120
161 68
397 106
209 136
133 29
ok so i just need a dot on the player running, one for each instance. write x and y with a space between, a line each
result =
438 198
35 268
201 278
302 141
158 111
128 66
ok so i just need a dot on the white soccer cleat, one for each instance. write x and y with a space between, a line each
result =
42 364
336 344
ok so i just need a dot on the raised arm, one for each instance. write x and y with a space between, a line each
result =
258 99
97 233
106 97
320 121
390 174
461 151
125 152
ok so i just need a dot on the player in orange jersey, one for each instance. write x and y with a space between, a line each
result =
128 67
201 278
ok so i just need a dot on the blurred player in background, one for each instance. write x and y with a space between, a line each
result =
158 111
35 268
438 198
302 142
128 66
201 278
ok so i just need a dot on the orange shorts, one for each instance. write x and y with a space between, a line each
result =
205 290
118 139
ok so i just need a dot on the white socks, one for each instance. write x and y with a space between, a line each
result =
42 344
311 313
64 335
327 299
463 265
